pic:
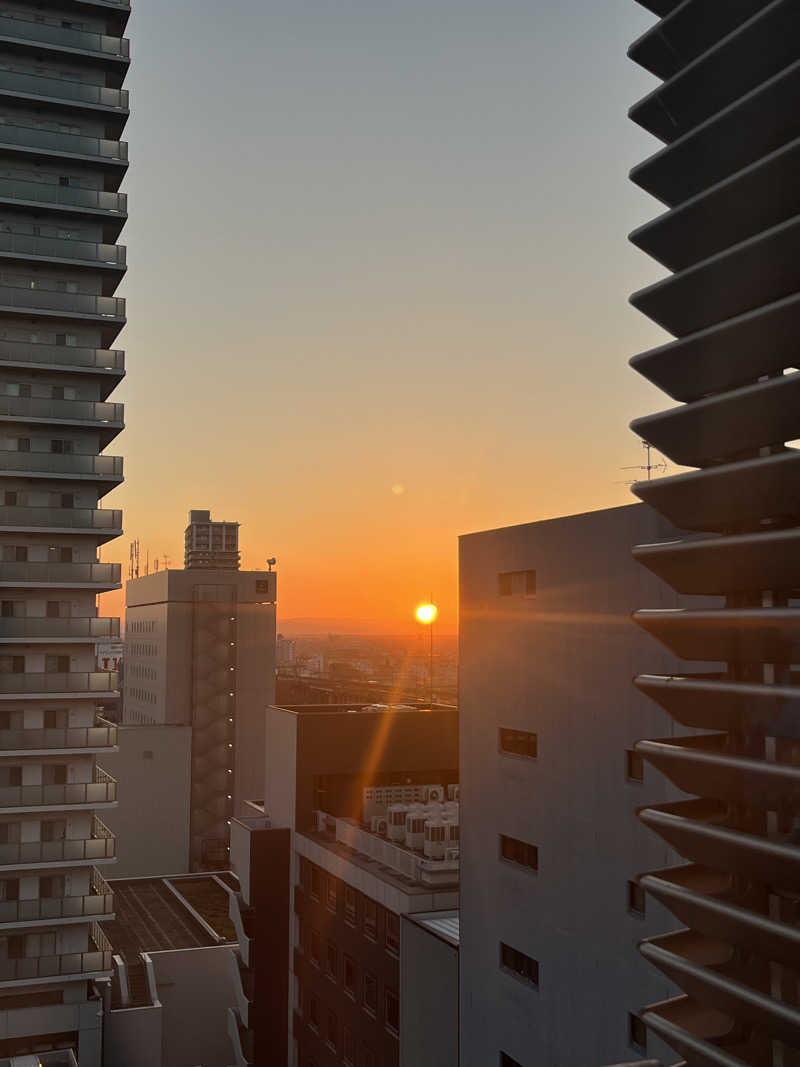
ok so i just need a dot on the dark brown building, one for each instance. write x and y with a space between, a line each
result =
336 777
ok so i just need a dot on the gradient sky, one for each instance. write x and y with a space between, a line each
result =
379 245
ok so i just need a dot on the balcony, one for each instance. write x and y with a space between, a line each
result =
43 33
242 1041
241 915
101 359
101 790
72 304
26 84
27 244
64 463
99 847
242 981
96 960
98 902
102 735
62 518
45 629
74 144
74 682
63 1057
34 407
106 575
54 195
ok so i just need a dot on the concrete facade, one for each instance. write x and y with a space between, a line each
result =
428 992
200 652
62 161
152 766
547 648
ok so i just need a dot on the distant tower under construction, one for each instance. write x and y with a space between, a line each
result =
211 545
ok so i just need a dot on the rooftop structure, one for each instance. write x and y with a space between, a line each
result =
728 230
211 545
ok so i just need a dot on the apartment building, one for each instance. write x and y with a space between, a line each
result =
62 161
724 172
551 907
200 653
211 545
358 828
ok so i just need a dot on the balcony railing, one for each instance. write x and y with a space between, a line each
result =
63 195
61 248
61 355
45 33
75 410
102 735
55 141
74 682
100 845
62 89
100 901
82 573
97 629
61 463
102 790
111 307
62 518
98 958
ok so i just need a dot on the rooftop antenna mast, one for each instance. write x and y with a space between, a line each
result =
133 562
649 466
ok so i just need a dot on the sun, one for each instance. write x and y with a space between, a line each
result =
426 613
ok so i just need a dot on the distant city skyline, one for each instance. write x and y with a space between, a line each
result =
369 275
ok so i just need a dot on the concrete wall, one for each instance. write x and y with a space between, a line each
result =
428 998
151 820
558 664
195 989
132 1037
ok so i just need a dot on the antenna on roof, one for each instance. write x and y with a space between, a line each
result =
649 466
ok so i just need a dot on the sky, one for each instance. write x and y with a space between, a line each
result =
378 281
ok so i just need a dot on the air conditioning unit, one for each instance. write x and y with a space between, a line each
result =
383 826
452 853
454 791
396 830
415 830
320 821
435 794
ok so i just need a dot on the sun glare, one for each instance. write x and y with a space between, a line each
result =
427 613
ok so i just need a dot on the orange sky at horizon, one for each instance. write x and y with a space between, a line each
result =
389 306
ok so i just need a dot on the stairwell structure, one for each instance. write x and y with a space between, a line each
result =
63 109
728 114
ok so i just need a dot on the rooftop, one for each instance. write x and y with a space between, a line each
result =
444 924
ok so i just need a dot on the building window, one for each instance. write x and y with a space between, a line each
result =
518 964
634 766
349 976
350 905
370 919
637 1033
370 993
636 900
519 852
332 1032
331 897
392 933
315 948
508 1061
517 583
312 1011
348 1046
392 1009
316 882
518 743
331 962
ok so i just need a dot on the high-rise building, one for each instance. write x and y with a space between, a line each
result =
200 653
358 828
62 67
211 545
551 908
727 115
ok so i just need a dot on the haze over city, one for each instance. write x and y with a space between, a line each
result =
383 286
